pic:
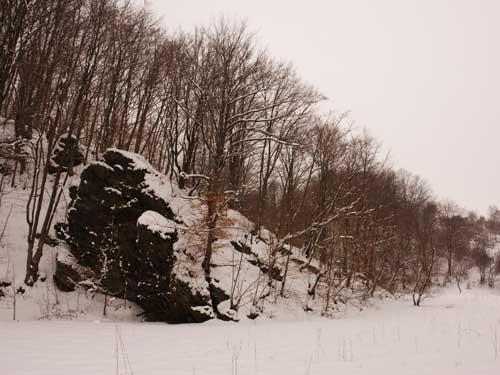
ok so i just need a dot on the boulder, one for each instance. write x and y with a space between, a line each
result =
132 234
66 155
68 272
121 227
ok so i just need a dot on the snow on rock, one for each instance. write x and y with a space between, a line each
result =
121 226
157 223
132 234
144 241
68 272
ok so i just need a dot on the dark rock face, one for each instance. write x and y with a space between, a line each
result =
241 247
124 232
66 154
68 273
275 272
219 295
4 285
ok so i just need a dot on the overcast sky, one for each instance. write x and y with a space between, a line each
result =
422 76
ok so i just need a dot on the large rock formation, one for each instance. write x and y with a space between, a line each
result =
132 233
121 233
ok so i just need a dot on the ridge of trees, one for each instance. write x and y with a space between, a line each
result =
235 127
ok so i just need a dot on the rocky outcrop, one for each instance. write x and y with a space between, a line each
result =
69 274
132 234
66 155
121 229
4 285
252 258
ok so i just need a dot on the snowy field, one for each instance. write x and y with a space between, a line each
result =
451 333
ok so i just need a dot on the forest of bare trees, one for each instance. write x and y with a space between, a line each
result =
231 125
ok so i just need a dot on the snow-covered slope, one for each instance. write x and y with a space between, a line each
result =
246 268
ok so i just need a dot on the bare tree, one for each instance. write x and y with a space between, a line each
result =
425 257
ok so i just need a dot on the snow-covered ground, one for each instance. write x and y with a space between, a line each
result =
451 333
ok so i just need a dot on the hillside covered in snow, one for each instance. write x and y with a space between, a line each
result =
127 243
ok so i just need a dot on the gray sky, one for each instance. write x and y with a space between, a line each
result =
422 76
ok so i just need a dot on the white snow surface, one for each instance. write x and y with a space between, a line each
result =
451 333
157 223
